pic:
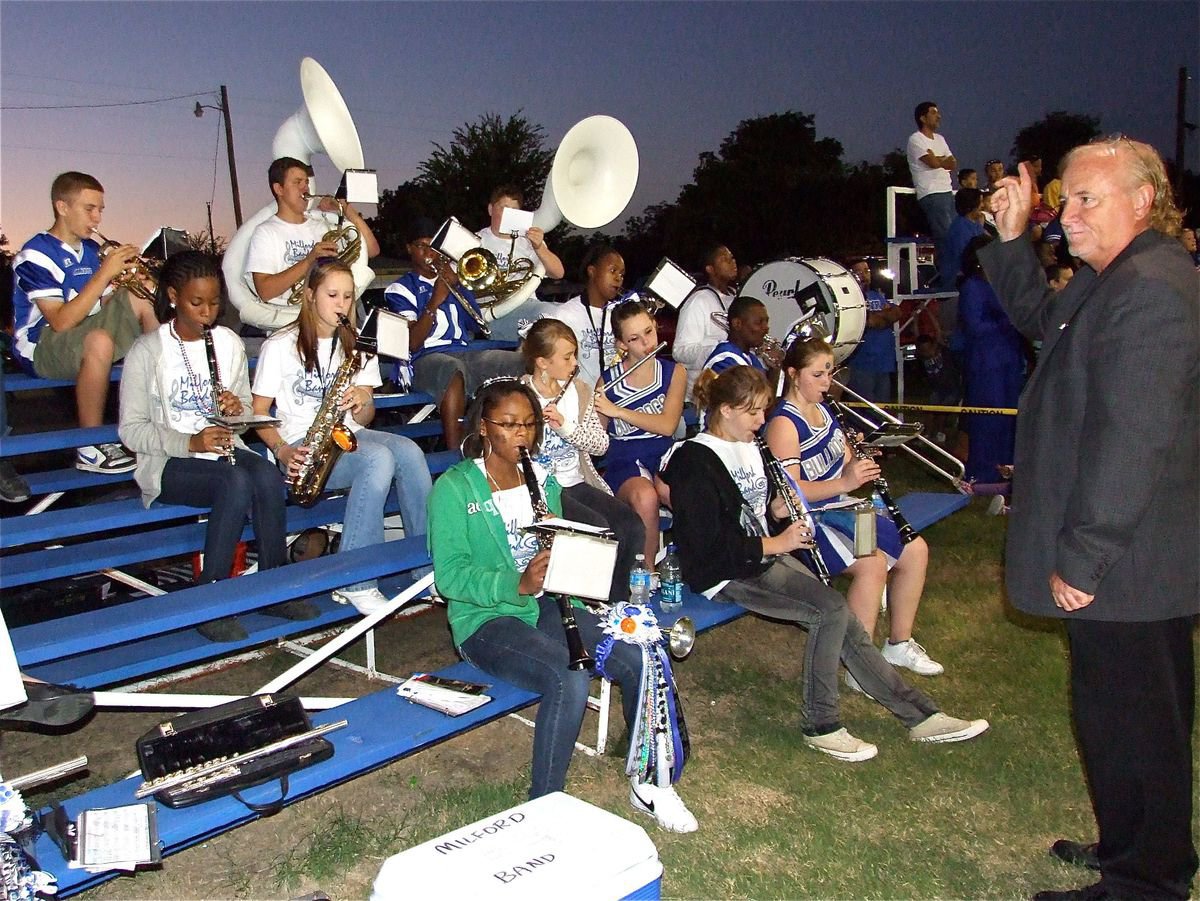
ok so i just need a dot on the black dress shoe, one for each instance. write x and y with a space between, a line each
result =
13 488
1095 892
1077 854
49 705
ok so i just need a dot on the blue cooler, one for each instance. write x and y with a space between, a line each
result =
555 847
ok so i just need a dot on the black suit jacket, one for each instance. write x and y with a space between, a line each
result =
1108 441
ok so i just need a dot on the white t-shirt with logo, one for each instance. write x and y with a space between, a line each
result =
745 464
926 179
277 245
298 394
556 453
186 395
593 333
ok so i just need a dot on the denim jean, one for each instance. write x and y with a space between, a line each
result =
369 472
252 487
939 213
787 591
536 659
585 503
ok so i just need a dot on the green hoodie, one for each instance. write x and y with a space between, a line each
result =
474 568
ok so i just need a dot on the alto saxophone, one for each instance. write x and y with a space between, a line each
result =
329 436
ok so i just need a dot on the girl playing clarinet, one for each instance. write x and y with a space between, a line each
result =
169 397
721 497
807 438
641 411
491 572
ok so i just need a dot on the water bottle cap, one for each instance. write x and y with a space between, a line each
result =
671 548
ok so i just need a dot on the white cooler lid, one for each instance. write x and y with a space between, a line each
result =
555 847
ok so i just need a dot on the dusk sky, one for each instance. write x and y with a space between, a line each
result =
680 75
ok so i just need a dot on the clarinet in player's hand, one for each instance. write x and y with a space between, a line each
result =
214 374
783 486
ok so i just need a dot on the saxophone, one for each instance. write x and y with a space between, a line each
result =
329 436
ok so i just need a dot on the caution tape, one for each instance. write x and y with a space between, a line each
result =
934 408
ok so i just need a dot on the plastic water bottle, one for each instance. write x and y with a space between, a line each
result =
639 581
671 582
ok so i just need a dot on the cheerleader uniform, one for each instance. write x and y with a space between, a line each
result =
822 457
633 451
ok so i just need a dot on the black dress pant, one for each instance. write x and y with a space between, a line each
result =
1133 701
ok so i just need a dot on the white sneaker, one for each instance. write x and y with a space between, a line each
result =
853 685
911 655
997 507
664 804
842 745
940 728
105 458
366 600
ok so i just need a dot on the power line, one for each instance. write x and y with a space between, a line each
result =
126 103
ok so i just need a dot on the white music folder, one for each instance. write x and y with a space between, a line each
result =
582 559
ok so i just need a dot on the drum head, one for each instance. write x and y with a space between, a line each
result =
794 289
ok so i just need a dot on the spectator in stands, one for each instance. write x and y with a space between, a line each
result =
968 178
722 498
531 246
589 314
807 438
71 319
993 370
931 162
490 570
968 203
641 412
169 398
1187 237
696 334
443 326
283 248
296 367
573 435
1058 276
874 360
994 170
749 323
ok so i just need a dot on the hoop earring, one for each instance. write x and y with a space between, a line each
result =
488 444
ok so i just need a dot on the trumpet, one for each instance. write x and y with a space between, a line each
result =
133 279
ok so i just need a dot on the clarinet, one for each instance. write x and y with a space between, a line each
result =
214 373
880 485
780 480
579 657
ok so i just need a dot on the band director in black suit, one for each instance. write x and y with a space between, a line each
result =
1105 524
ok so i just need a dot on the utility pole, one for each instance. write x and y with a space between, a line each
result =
223 109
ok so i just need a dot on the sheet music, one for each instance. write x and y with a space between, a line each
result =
116 838
514 221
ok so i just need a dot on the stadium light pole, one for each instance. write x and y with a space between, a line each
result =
223 109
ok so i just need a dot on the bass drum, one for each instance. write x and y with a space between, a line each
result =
796 288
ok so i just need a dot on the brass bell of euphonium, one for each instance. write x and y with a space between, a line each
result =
681 637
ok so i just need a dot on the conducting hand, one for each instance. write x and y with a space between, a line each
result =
215 439
535 574
1012 202
1066 597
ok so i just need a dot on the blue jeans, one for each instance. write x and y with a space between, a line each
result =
536 660
369 472
252 487
787 591
939 212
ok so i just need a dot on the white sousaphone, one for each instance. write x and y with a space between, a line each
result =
593 176
322 125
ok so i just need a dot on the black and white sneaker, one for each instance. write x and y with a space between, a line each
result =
664 804
13 488
108 459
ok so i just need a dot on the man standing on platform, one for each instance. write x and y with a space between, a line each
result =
1104 528
931 162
